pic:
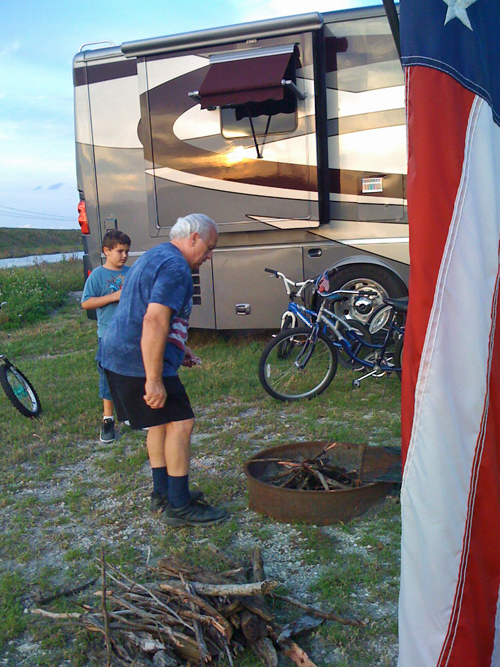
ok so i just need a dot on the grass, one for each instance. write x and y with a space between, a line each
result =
64 494
15 242
32 293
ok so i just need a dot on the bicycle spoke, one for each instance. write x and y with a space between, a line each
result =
21 390
305 371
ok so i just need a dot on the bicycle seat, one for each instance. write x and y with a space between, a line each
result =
401 305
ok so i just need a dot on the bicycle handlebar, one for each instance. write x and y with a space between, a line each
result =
326 295
290 283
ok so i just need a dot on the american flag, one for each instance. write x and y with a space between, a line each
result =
449 609
324 283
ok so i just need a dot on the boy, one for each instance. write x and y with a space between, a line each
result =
102 291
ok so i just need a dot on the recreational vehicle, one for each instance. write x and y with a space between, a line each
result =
289 133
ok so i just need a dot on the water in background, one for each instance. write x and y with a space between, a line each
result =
11 262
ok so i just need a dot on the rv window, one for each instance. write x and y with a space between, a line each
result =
362 56
234 127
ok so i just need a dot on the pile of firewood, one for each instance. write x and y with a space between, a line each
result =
317 473
192 616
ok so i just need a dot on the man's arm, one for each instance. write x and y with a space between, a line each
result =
155 328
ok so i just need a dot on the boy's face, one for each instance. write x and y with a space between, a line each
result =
117 256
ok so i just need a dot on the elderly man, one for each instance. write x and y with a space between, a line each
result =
143 348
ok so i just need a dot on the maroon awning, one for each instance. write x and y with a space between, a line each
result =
241 80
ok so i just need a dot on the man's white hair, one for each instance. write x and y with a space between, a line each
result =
194 222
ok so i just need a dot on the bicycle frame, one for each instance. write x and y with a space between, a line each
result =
298 312
329 318
330 321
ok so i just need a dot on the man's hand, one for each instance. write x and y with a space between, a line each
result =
155 394
155 326
190 359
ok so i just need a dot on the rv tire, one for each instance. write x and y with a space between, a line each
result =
371 277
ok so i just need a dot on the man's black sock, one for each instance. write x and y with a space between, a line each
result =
178 491
160 481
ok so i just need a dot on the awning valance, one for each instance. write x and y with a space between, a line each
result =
250 76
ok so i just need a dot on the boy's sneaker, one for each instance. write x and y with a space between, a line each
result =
195 513
159 502
107 430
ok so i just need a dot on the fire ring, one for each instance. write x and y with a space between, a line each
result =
321 507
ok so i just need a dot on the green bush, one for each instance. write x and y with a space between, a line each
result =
33 292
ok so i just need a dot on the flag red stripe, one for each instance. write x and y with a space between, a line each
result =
437 112
449 606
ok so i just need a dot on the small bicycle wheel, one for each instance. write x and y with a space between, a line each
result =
307 369
359 349
20 391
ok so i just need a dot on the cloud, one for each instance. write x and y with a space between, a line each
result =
55 186
38 187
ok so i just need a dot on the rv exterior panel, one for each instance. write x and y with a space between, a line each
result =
316 161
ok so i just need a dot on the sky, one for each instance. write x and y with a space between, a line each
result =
37 44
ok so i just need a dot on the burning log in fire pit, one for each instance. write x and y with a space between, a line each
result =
194 616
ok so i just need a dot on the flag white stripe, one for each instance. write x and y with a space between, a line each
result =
450 399
475 473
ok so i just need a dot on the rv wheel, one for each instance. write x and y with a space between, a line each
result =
376 280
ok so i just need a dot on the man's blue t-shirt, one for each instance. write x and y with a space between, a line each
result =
102 282
162 276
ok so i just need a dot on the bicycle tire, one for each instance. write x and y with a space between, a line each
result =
20 391
283 380
359 350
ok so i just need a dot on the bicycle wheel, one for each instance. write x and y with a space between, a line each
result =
307 369
19 391
358 348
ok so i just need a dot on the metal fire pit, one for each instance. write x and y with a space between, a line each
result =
321 507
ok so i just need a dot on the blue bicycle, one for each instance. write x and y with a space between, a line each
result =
303 296
301 362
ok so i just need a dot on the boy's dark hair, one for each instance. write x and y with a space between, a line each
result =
114 237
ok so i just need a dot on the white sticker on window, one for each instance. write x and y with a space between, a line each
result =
375 184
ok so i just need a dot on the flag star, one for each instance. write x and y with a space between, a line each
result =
457 9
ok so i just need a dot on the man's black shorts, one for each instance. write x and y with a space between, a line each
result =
128 397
